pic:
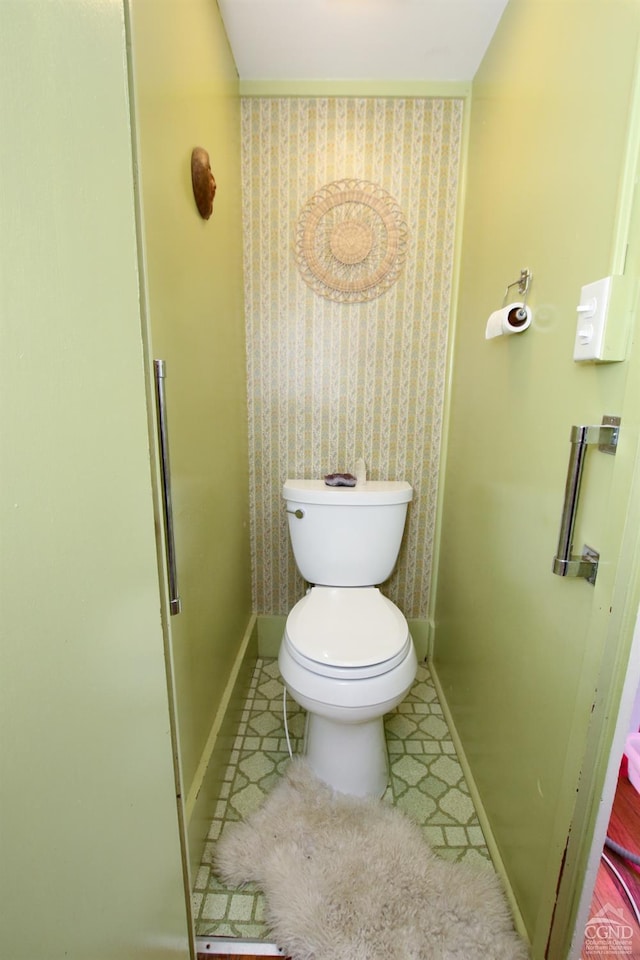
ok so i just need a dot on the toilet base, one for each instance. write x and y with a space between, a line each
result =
350 757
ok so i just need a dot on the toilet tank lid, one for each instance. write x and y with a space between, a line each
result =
371 493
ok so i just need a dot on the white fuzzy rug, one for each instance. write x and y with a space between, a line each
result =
352 879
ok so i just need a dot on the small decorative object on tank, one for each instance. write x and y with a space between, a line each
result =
340 480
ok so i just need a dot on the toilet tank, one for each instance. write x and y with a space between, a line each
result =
346 536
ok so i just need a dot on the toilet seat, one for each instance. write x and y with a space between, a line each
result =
348 633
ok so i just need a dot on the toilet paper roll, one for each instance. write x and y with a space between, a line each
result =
512 319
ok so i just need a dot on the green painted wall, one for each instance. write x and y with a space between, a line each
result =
90 862
186 95
518 650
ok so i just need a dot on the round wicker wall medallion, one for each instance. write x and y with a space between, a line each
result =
351 241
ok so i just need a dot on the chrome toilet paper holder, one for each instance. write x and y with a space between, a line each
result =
517 316
522 283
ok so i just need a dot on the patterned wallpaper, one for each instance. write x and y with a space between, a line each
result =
329 382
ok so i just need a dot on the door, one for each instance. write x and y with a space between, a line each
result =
185 93
619 668
90 862
520 652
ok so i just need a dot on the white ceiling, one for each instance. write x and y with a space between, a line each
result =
437 40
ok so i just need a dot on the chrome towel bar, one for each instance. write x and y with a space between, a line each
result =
606 437
175 604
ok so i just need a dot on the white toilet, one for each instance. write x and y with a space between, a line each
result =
347 656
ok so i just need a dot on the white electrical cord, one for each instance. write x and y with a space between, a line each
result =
286 726
624 885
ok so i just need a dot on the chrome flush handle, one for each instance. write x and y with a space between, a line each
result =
297 513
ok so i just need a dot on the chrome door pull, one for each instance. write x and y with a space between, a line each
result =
175 604
606 436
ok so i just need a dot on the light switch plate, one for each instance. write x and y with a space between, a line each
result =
592 319
604 312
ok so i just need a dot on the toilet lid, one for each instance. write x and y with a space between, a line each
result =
351 629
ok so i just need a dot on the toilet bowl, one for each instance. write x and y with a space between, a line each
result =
347 658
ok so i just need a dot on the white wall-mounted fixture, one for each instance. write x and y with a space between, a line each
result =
603 320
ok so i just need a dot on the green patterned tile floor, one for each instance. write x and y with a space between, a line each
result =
426 782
